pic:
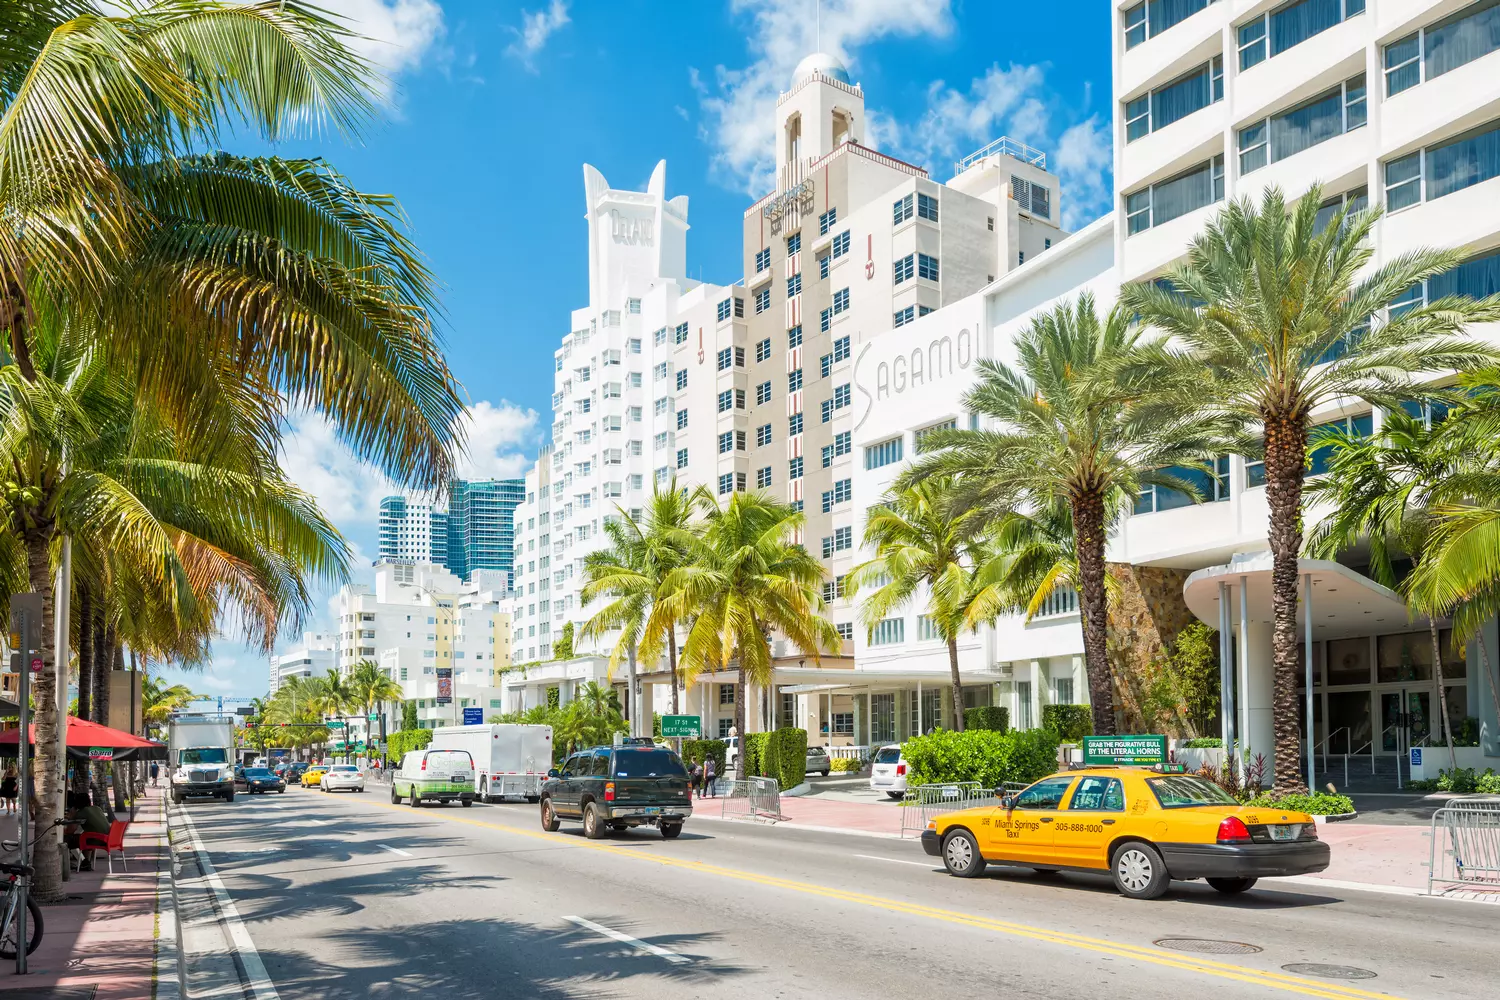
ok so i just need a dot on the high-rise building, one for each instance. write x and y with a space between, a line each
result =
313 657
413 530
480 525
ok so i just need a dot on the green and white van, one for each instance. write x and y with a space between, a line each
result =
434 776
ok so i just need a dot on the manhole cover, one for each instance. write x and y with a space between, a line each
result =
1328 971
1208 946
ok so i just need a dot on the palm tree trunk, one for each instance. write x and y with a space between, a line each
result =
958 686
85 650
1286 457
672 663
1089 532
1437 673
48 768
104 659
632 701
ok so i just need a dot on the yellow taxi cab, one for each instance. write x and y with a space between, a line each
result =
1144 826
313 775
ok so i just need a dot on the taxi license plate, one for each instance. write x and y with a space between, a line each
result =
1284 832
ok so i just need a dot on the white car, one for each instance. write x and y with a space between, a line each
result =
887 772
343 777
731 752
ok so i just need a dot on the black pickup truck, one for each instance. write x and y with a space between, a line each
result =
615 788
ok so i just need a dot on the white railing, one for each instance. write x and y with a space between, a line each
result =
1004 146
849 753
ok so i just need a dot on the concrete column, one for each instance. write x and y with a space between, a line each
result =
861 719
1259 675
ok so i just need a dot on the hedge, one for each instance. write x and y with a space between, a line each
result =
697 751
1071 723
397 744
987 717
753 746
981 755
846 765
791 756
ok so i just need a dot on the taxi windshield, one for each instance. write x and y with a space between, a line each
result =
1183 791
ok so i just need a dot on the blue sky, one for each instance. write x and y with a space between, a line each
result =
495 106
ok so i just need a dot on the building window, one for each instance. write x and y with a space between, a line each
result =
739 307
726 400
633 345
1147 20
833 589
724 308
1475 278
762 259
726 442
904 268
901 211
762 300
883 454
763 350
839 448
838 402
1062 690
682 458
725 358
659 337
827 220
794 380
842 492
763 477
794 424
888 632
823 265
1033 197
901 317
726 694
739 399
1326 116
919 438
1431 173
794 285
794 337
927 267
840 301
846 632
1167 200
1212 488
763 393
793 243
762 435
927 207
841 244
794 468
825 320
1442 46
1291 24
682 380
680 335
726 483
1161 107
682 419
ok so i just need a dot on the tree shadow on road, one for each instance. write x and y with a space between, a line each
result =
269 896
484 959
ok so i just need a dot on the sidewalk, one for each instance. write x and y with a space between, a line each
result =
104 936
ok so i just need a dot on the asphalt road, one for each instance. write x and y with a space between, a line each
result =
346 895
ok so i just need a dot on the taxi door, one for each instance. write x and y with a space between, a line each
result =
1083 831
1023 833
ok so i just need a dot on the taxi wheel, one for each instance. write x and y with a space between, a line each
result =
961 855
1229 886
1139 871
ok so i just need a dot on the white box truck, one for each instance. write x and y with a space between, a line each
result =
509 760
200 751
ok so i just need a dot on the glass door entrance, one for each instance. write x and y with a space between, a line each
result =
1405 718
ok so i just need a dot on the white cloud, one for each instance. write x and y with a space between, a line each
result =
741 104
1085 162
394 34
497 436
536 27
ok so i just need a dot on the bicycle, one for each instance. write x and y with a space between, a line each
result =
8 908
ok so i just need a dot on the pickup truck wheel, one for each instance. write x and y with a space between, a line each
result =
670 830
961 855
593 825
1139 871
550 822
1230 886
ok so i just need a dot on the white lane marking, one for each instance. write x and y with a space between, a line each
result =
394 850
261 987
898 861
636 943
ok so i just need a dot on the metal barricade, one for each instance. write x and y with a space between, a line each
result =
1465 848
926 801
753 798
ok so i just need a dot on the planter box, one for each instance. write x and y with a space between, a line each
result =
1435 759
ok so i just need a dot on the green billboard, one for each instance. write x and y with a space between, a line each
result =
1149 749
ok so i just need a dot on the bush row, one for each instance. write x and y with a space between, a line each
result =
1071 723
1463 780
987 717
983 755
1317 804
698 751
845 765
397 744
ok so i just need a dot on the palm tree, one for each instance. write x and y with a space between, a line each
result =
924 539
1073 434
371 688
1271 319
333 695
593 716
1381 490
743 579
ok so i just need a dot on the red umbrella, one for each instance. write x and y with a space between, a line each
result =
83 734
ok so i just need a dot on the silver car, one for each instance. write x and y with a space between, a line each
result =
888 772
343 777
818 762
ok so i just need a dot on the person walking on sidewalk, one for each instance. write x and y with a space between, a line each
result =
8 790
154 772
709 769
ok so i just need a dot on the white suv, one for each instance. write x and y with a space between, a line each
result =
888 771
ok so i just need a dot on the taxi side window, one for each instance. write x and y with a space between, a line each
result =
1045 794
1098 795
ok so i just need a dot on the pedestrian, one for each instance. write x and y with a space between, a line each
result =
154 772
695 776
709 770
9 789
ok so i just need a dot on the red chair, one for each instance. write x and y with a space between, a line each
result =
111 844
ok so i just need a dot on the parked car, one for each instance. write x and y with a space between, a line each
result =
434 776
313 775
888 772
615 788
343 777
818 761
261 780
732 751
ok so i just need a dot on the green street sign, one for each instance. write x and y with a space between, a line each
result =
1149 749
685 726
334 725
373 717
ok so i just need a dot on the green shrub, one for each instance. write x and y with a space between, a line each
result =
791 756
1488 783
1422 785
845 765
770 757
1202 743
983 755
697 751
1071 723
1466 732
1464 780
753 746
1318 804
987 717
397 744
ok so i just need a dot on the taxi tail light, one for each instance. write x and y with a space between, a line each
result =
609 791
1232 830
900 770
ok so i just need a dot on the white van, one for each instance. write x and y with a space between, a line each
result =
888 771
434 776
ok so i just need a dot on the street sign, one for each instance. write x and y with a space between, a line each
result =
101 753
334 724
373 717
1149 749
473 716
685 726
1416 756
36 664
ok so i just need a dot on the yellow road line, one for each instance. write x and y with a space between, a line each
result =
1222 970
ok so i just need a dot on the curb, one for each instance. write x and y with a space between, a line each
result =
792 825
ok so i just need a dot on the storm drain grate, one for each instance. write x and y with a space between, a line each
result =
1208 946
1328 971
